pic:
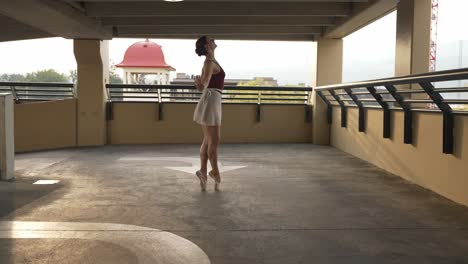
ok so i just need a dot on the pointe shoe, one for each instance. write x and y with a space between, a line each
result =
203 180
217 181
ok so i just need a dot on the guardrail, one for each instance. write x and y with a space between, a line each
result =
27 91
384 94
163 94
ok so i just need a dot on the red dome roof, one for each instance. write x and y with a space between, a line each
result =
144 54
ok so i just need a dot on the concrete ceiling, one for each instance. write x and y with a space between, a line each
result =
297 20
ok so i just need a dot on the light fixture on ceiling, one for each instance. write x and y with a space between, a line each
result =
173 0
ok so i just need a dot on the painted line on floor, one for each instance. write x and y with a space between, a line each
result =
148 244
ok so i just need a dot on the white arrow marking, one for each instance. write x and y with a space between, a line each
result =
195 162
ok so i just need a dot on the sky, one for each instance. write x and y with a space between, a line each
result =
369 53
289 62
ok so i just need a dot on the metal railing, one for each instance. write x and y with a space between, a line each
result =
384 94
27 91
163 94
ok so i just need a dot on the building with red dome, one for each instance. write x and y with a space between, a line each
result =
145 58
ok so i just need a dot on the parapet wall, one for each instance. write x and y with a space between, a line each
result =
53 124
45 125
422 162
138 123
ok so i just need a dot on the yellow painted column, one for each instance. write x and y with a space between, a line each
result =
329 71
93 73
413 37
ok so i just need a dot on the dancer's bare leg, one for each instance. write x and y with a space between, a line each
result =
201 174
204 153
214 137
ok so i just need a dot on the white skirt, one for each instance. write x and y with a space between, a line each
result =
208 111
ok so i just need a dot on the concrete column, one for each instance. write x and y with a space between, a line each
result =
7 137
93 73
413 37
329 71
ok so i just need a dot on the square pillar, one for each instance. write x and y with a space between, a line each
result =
7 137
329 71
93 74
413 37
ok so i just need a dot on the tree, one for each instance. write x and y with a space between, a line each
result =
49 75
15 77
246 96
257 81
73 76
113 76
268 96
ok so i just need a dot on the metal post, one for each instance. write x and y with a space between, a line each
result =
408 123
447 146
362 117
259 103
160 106
329 107
342 106
15 96
408 127
386 111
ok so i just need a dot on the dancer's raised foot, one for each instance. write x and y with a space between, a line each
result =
203 179
217 178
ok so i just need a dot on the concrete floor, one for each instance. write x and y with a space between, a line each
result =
293 203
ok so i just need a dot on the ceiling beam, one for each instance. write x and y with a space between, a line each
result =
363 15
237 1
256 37
217 30
218 20
14 30
156 9
56 18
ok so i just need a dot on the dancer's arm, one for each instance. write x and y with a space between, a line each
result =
201 82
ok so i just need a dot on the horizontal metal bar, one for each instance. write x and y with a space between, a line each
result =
367 100
361 93
412 110
408 91
459 74
452 90
42 99
127 96
133 92
227 88
419 101
341 94
38 84
39 95
43 90
456 101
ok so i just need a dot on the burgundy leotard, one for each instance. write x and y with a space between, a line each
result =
217 80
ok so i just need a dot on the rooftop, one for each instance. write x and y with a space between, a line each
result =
281 203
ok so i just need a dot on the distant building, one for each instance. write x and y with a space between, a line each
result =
186 79
145 58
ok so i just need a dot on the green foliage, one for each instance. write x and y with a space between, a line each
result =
49 75
255 82
38 76
115 78
12 77
73 75
266 96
